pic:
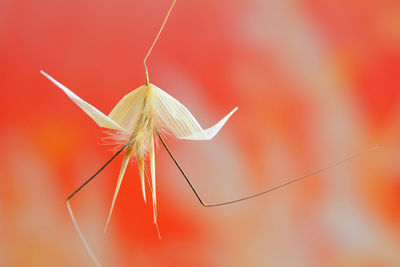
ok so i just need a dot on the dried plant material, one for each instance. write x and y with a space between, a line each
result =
136 117
136 120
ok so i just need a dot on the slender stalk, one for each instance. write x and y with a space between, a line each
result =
155 40
71 214
262 192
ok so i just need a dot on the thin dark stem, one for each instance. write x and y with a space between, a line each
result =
71 214
181 170
94 175
265 191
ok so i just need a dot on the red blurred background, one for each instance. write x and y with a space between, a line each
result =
315 81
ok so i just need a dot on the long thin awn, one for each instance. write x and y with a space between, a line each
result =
137 120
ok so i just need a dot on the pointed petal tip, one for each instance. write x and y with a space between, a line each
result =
48 76
105 227
144 197
44 73
233 111
142 175
108 220
99 117
107 223
51 78
144 191
158 233
120 178
209 133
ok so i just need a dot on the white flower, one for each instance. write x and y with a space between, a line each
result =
136 117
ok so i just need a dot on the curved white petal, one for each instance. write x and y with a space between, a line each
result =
125 111
177 118
210 132
140 162
99 117
125 162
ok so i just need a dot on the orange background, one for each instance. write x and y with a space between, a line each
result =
315 81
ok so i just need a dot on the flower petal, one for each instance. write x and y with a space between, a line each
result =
99 117
210 132
177 118
140 162
153 183
125 111
121 176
